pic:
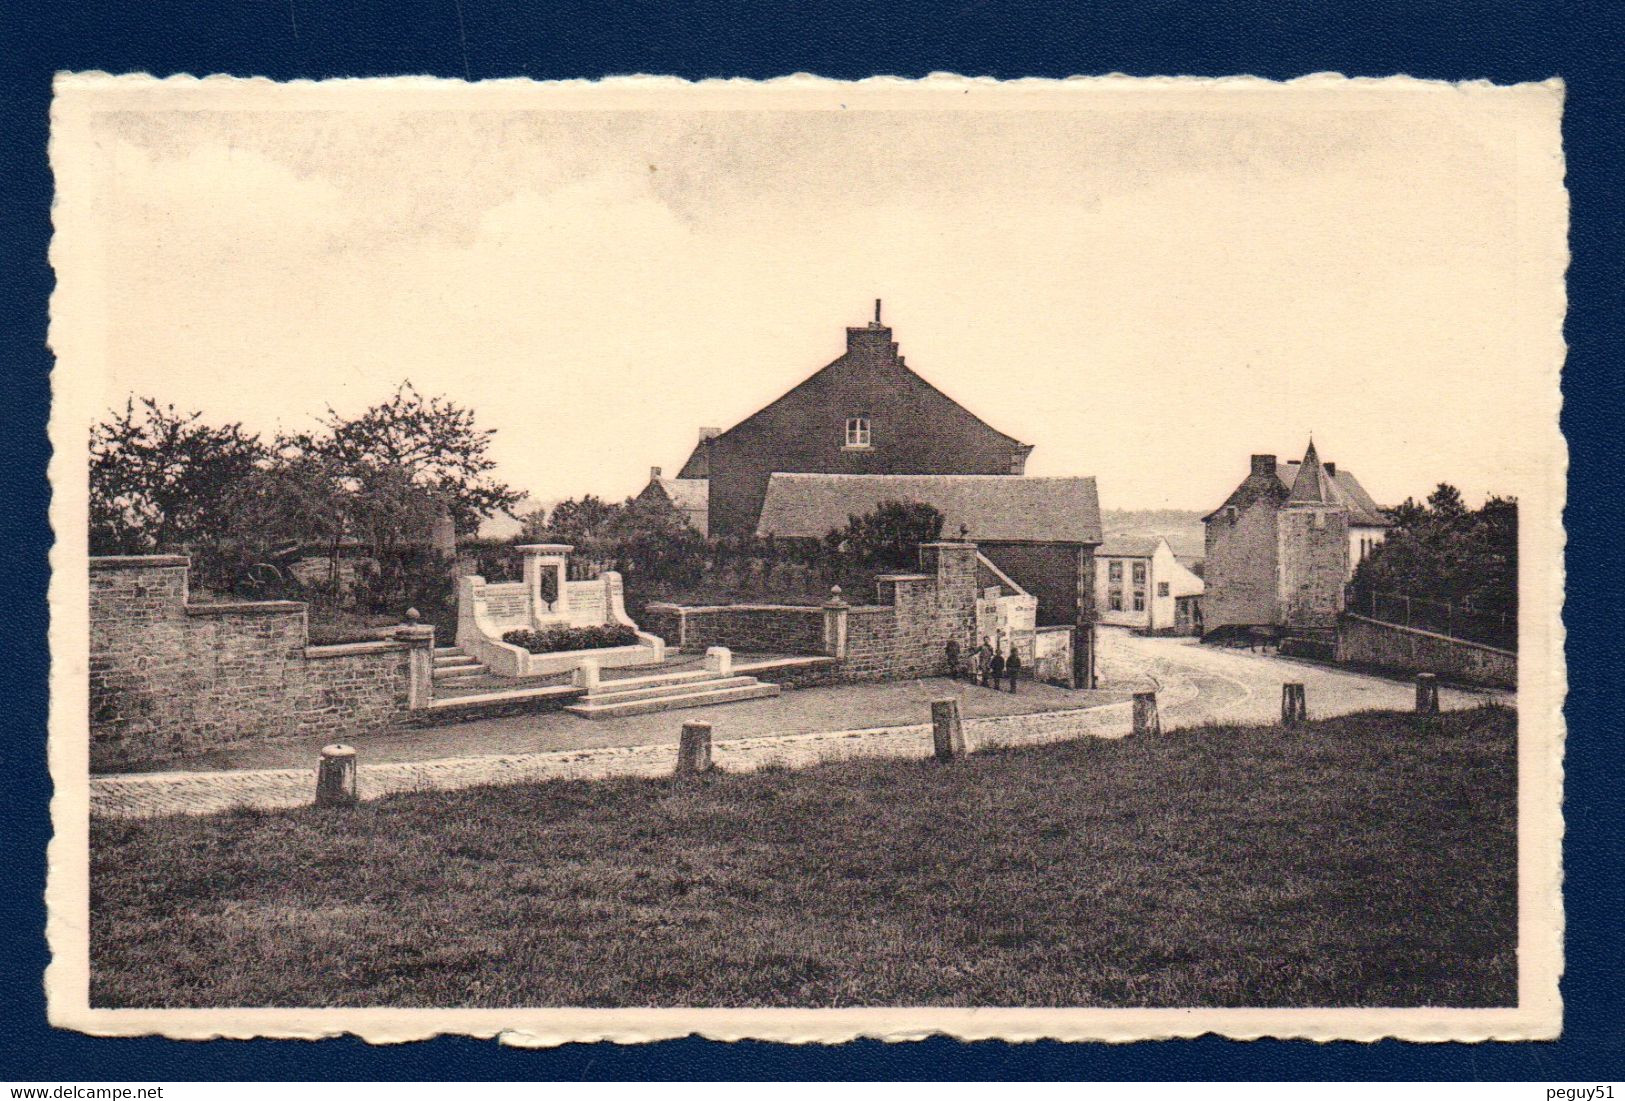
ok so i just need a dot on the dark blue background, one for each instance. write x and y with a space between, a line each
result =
1513 40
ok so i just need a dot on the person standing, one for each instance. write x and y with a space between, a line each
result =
984 661
1012 668
953 659
998 667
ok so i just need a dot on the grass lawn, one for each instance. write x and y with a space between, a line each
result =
1356 861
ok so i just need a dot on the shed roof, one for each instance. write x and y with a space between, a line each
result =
993 507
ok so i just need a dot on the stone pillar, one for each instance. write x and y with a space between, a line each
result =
947 733
419 643
540 559
719 660
1145 714
835 610
1427 694
586 675
1294 707
336 777
694 749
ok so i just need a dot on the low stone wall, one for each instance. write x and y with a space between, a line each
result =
747 628
904 634
1371 642
168 677
340 691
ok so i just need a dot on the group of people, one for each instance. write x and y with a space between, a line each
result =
989 665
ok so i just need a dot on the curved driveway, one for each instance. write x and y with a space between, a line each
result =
1238 685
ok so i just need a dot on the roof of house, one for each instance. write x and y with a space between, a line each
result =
1341 488
688 494
697 467
992 507
874 350
1128 546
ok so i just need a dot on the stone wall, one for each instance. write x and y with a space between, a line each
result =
747 628
903 634
1365 641
1240 567
168 677
1312 552
340 691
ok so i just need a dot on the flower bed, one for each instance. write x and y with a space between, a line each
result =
554 639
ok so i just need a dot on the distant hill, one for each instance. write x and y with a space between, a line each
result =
1181 527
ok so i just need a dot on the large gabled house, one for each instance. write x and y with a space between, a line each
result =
1283 545
866 412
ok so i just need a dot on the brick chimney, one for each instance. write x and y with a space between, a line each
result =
1264 464
709 433
872 339
654 472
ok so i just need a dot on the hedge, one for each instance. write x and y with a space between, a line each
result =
554 639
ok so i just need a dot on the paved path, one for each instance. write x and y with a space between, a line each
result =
154 794
1195 684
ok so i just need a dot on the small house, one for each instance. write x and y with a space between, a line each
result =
1140 583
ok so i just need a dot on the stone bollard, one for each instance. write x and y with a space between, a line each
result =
1294 707
947 733
1145 714
336 777
694 749
719 660
1427 694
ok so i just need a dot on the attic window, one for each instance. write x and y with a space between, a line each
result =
857 431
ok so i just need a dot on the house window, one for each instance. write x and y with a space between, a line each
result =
1114 600
1162 588
1139 601
1139 573
1114 571
857 431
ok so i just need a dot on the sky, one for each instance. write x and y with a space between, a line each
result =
1147 288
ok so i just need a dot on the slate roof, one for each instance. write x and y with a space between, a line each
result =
697 467
1311 486
1128 546
1343 488
994 507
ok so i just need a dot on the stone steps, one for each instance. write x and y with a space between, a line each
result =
672 696
451 665
610 692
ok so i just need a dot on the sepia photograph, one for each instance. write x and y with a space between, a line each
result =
803 560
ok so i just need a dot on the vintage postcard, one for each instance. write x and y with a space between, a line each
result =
806 560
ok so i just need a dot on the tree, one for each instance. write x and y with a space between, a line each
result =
433 442
1448 552
161 478
582 521
653 542
890 534
298 495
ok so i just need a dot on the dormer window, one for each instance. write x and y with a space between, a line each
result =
857 431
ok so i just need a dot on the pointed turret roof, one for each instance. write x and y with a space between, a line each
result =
1312 486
